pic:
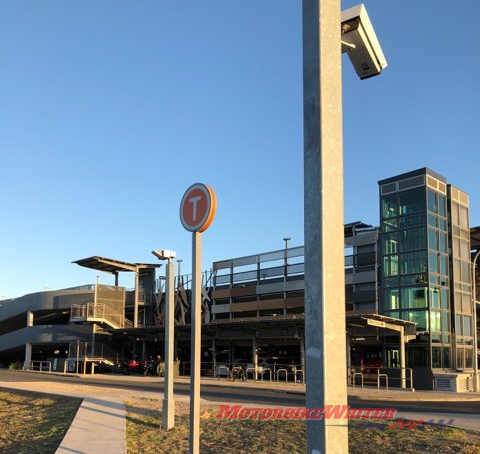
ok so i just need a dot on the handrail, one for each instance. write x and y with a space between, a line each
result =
32 365
91 310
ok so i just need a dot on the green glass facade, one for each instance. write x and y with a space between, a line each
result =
424 262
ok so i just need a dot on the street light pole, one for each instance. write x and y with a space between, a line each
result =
168 403
476 386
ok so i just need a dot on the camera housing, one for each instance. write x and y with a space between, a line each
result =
164 254
360 42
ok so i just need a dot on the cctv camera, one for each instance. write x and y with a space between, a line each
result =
360 42
164 254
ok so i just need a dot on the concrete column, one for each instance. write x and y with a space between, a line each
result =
255 355
168 405
214 356
135 304
324 233
28 356
29 318
349 356
402 358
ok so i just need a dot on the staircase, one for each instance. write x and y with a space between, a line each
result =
99 313
92 352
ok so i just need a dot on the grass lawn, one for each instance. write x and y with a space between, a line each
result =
144 435
34 423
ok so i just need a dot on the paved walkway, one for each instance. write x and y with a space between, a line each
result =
100 426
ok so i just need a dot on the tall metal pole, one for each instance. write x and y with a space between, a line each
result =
196 337
476 386
324 235
168 405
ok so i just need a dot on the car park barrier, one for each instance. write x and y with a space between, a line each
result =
286 374
378 381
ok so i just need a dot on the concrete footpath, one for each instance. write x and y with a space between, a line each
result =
100 423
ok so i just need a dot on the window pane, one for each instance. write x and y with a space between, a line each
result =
435 321
435 298
432 239
442 225
432 201
459 358
458 325
444 298
414 297
391 299
420 318
433 262
412 239
432 220
389 225
413 262
390 265
446 357
443 265
442 243
414 220
441 205
436 357
468 358
412 201
389 206
390 243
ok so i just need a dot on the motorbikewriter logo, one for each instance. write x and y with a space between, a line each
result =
330 412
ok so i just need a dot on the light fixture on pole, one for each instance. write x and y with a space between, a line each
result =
476 386
168 404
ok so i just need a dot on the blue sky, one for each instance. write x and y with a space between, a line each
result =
111 109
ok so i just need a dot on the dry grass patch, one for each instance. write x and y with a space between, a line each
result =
144 435
34 422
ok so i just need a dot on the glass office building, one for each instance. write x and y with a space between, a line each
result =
425 269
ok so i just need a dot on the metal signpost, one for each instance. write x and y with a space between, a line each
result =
197 211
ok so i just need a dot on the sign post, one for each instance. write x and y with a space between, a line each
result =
197 211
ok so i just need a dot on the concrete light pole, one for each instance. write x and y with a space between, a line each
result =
476 386
168 403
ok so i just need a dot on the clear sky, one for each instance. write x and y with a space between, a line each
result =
111 109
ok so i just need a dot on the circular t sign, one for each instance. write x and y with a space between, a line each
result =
198 207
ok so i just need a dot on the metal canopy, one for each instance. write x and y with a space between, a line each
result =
112 266
357 323
377 325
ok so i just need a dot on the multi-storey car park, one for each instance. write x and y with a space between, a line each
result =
410 310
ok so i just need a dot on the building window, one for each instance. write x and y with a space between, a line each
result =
420 318
432 201
435 321
436 351
390 265
413 262
412 239
412 201
389 206
391 299
414 297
